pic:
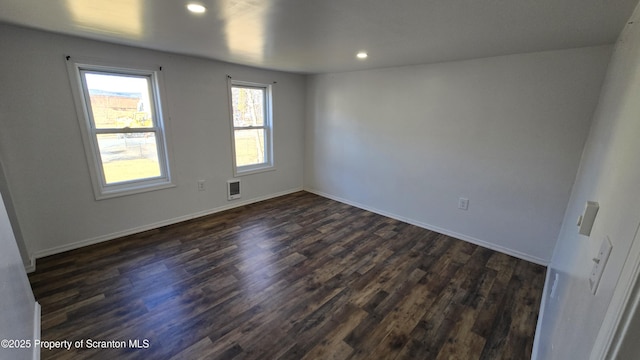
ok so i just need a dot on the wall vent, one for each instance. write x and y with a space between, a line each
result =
233 189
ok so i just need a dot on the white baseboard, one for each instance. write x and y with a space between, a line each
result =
31 267
548 283
118 234
37 313
486 244
78 244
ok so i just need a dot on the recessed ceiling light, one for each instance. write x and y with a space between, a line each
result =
362 55
196 8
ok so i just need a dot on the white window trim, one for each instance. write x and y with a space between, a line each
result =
269 164
101 189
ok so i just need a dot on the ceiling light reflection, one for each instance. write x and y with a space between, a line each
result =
245 27
121 17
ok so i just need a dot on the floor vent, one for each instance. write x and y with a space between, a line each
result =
233 189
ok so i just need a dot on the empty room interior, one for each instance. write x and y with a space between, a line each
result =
336 179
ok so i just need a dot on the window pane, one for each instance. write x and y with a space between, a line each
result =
250 147
119 101
129 156
248 106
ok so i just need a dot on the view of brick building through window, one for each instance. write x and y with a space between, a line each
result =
127 151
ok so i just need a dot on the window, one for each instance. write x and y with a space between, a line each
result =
120 112
252 127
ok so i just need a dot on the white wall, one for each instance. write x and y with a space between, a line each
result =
17 305
8 202
505 132
41 147
609 174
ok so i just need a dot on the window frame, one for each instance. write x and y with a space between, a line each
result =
77 67
267 126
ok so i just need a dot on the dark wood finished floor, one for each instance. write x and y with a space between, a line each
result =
296 277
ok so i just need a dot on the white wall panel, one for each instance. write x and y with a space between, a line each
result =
574 319
17 304
505 132
41 147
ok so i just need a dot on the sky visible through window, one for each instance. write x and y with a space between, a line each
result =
123 102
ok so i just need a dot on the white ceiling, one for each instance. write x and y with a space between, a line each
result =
316 36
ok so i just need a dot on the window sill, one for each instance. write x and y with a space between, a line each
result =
249 170
132 190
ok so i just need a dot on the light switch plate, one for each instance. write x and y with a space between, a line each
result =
599 263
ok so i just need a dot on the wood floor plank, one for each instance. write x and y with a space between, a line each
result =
462 342
333 345
295 277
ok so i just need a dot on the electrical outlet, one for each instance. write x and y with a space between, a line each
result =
463 204
201 185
